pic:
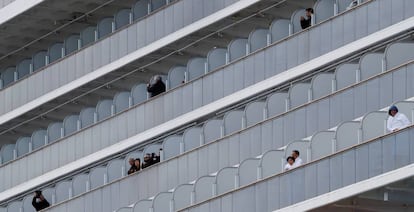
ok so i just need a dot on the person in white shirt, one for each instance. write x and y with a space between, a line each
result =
290 163
396 120
298 160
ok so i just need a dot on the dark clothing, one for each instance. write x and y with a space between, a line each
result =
156 159
42 204
305 23
157 88
133 169
147 162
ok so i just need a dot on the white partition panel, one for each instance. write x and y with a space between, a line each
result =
97 177
258 39
321 144
54 131
298 94
23 68
272 162
87 35
279 29
27 204
225 180
370 65
161 202
140 9
121 18
321 85
55 52
49 194
192 138
233 121
71 44
121 101
104 109
398 53
156 4
7 152
143 206
70 124
182 196
104 27
247 171
216 58
22 146
196 68
171 146
347 135
15 206
7 76
38 139
139 93
176 76
276 104
237 49
212 130
39 60
373 125
63 191
80 184
203 188
254 113
115 169
87 116
346 75
324 9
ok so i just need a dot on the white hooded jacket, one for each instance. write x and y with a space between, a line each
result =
397 122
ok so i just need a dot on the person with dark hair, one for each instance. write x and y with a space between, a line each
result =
155 158
396 120
298 160
290 163
306 22
39 202
148 161
156 86
133 167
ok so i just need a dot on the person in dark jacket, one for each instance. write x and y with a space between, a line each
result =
148 161
133 167
39 202
306 22
156 87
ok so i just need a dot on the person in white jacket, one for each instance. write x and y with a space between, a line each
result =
396 120
298 160
290 163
